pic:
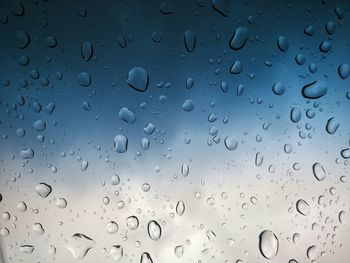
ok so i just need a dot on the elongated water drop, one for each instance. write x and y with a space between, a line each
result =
180 208
190 40
268 244
319 172
154 230
303 207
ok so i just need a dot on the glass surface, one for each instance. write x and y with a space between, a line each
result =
174 131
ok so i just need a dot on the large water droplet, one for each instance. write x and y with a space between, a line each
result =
268 244
344 71
190 40
295 115
39 125
188 105
179 251
43 190
239 38
332 125
116 252
22 39
84 79
79 245
282 43
154 230
120 143
278 88
236 67
28 249
230 143
222 6
314 90
138 79
112 227
127 115
132 222
27 153
312 252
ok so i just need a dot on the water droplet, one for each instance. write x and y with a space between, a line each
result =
268 244
149 128
27 153
189 83
314 90
43 190
21 206
17 8
185 169
222 6
309 30
341 217
312 252
116 252
86 50
146 187
157 36
115 180
325 46
138 79
79 245
28 249
259 158
180 208
330 27
344 71
166 8
127 115
146 258
39 125
295 115
120 143
319 172
112 227
239 38
188 105
179 251
230 143
303 207
282 43
154 230
236 67
345 153
84 79
190 40
22 39
38 228
278 88
132 222
51 42
332 125
61 203
145 144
